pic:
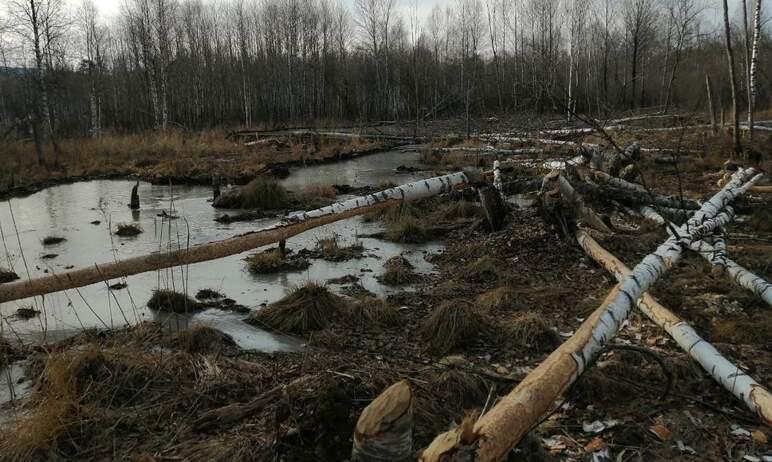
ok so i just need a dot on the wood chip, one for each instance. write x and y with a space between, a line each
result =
595 445
759 437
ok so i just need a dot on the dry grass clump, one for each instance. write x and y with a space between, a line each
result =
260 193
53 240
209 294
27 312
486 268
330 249
407 230
272 261
450 326
503 298
373 310
169 300
128 230
318 195
204 340
761 220
306 308
459 388
7 275
398 272
532 333
457 210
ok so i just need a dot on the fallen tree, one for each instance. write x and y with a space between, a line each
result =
731 377
291 226
498 432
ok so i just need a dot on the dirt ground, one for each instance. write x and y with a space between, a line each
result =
512 297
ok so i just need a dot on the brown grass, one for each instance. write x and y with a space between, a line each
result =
486 268
530 332
450 326
272 261
128 230
169 300
330 249
260 193
304 309
407 230
503 298
7 275
373 311
204 340
398 272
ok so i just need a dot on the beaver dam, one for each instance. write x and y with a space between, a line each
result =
529 296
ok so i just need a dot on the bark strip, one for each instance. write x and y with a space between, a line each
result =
292 226
728 375
499 431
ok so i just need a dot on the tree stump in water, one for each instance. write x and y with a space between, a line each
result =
494 207
384 431
134 204
215 188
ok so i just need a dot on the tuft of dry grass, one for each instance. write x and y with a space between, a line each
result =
503 298
407 230
451 326
330 249
7 275
204 340
486 268
53 240
529 331
373 311
464 389
128 230
398 271
171 301
306 308
260 193
272 261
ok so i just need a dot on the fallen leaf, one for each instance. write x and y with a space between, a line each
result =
661 432
596 444
759 437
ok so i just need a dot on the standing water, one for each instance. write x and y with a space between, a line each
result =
86 215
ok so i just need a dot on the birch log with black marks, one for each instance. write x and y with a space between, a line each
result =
384 431
757 398
291 226
499 431
737 273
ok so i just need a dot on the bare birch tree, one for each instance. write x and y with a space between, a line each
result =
732 79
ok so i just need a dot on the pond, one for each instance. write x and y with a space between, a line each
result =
85 214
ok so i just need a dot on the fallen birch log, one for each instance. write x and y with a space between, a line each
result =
604 178
291 226
384 431
757 398
498 432
737 273
637 197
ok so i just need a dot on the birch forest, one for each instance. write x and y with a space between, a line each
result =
231 63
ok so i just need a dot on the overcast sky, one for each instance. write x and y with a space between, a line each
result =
113 7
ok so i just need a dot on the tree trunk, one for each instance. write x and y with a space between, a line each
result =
384 431
732 80
588 215
292 226
754 65
711 108
498 432
494 207
731 377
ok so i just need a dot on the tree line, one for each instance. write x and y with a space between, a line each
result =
197 64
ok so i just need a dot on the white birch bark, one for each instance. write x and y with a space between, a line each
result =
605 178
755 55
652 215
737 273
497 181
728 375
498 432
292 226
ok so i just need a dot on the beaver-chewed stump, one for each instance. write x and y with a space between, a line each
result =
384 431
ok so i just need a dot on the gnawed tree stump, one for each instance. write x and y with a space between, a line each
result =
494 207
384 431
134 202
570 195
731 377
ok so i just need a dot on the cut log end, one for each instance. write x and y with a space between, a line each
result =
384 431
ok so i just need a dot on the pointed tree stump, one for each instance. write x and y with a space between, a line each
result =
384 431
494 207
134 203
